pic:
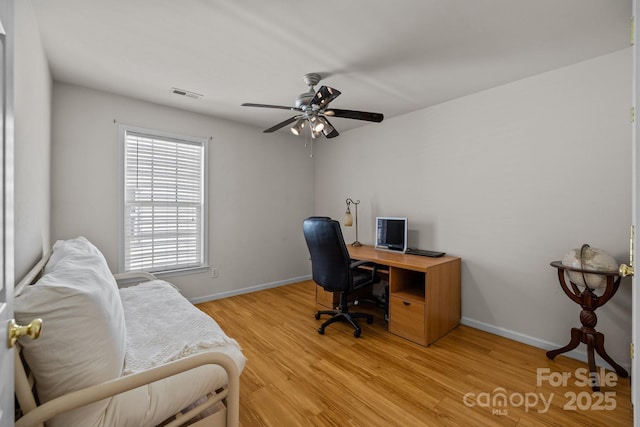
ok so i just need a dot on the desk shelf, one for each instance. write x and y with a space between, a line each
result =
409 283
382 270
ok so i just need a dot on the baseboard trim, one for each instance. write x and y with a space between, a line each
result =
536 342
247 290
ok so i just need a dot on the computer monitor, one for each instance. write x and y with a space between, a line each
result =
391 233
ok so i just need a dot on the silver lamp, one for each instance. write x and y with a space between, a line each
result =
348 219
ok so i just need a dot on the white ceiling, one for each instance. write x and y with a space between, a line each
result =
385 56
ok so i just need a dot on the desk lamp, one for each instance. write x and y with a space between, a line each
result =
348 219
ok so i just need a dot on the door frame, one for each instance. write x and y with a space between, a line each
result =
635 214
7 21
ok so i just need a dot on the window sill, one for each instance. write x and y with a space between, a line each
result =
180 272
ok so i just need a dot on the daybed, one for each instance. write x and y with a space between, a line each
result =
137 356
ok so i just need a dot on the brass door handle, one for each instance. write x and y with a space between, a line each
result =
16 331
627 270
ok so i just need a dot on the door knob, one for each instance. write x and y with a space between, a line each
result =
627 270
16 331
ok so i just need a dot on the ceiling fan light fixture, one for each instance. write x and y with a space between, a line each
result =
316 124
298 127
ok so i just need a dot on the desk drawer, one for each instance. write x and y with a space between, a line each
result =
406 319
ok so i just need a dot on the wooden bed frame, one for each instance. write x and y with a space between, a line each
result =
220 408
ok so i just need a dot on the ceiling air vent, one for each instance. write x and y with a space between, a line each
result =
186 93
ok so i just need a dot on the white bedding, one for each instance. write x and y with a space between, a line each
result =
162 326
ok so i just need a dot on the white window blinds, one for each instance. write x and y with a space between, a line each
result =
164 203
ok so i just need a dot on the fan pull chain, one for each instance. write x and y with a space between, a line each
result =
308 142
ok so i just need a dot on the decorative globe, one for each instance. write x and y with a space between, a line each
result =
588 258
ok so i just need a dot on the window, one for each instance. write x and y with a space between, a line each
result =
164 201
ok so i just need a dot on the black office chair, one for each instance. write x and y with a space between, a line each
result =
334 271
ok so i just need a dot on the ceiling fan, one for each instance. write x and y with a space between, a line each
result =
313 109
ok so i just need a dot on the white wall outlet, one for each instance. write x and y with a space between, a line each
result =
214 272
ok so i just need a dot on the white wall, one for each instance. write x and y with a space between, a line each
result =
508 179
260 188
32 142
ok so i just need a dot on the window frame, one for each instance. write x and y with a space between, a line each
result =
153 133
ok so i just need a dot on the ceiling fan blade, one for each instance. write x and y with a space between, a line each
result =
324 96
332 134
329 131
281 124
352 114
281 107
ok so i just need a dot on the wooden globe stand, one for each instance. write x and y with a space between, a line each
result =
587 334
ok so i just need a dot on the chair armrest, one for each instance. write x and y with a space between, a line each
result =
107 389
356 264
373 265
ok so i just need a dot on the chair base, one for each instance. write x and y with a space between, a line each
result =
342 316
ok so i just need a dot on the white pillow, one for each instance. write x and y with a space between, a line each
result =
83 333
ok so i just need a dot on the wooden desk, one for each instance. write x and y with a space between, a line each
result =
424 293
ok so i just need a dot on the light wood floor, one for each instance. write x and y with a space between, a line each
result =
296 377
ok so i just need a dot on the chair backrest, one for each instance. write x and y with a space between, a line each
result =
329 256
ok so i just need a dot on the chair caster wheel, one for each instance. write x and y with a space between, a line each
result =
369 320
321 331
357 333
317 316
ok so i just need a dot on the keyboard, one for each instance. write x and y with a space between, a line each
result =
422 252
